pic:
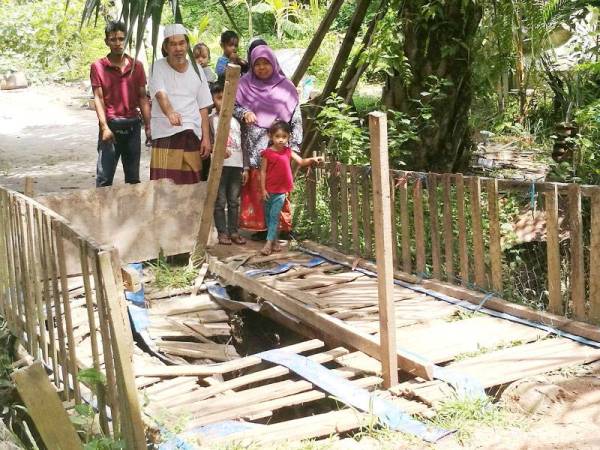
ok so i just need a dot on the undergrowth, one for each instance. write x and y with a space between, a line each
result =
168 276
466 415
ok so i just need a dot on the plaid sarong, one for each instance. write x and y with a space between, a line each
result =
177 157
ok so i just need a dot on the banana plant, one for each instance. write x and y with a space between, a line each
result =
282 11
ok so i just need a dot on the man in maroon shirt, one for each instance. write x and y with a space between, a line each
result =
119 85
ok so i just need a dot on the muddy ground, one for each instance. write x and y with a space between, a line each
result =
49 134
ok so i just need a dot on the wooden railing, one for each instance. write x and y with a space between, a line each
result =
36 301
459 229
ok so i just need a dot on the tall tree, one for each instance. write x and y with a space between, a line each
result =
431 79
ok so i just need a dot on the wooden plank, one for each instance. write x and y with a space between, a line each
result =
339 257
294 303
334 202
366 213
463 253
494 235
40 278
434 231
394 227
561 323
226 367
555 304
66 304
28 275
477 232
58 313
595 259
232 76
419 227
344 207
404 224
354 211
46 409
297 393
504 366
28 187
122 344
48 291
448 231
384 246
91 317
311 195
106 339
577 263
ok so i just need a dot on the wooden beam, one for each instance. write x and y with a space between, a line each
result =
317 40
463 251
295 303
232 77
45 408
384 247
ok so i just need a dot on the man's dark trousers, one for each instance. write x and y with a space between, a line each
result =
127 146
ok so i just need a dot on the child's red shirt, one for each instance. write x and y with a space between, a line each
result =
279 171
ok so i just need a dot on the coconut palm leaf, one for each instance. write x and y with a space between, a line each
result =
136 14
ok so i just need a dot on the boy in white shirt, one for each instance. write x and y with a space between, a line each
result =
232 177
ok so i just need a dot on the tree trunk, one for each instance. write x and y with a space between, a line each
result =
438 50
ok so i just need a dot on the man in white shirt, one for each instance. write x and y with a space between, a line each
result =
179 117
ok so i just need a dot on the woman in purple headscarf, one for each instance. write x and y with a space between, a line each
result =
264 95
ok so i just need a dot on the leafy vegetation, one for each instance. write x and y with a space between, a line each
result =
42 38
167 275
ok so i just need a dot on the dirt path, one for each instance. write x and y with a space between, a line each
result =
48 134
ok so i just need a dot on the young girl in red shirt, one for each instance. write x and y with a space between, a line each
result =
276 178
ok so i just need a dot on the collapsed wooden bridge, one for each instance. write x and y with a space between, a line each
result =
448 308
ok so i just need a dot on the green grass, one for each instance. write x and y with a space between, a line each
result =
167 276
466 415
484 350
463 314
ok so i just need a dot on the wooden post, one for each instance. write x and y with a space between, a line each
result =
334 184
216 167
448 232
316 41
477 230
577 264
405 225
595 259
462 230
434 231
344 208
383 247
122 344
555 304
28 188
494 235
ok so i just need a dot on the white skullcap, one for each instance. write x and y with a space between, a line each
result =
173 29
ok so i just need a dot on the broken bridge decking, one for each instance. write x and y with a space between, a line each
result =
341 305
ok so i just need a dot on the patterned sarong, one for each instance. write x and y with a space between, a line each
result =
177 157
252 209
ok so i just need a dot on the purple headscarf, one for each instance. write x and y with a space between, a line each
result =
274 98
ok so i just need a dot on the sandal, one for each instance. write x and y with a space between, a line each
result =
267 249
237 239
224 239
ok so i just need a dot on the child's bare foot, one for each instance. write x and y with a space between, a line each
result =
267 249
224 239
276 246
237 239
